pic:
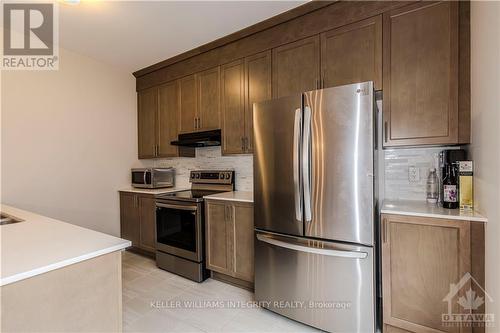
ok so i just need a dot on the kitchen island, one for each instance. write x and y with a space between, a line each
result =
56 276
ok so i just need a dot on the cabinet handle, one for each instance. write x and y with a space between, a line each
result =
195 123
385 130
199 123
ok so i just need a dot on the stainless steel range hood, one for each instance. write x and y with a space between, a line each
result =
199 139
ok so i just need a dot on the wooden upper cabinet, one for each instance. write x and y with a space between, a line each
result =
420 64
421 257
296 67
168 118
208 98
188 104
147 105
352 54
257 89
233 107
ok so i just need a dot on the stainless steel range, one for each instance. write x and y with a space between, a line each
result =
180 246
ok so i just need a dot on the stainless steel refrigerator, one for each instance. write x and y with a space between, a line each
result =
314 207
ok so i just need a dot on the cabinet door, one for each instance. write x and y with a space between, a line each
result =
242 219
233 108
421 258
188 105
421 74
147 110
208 87
147 209
257 88
129 218
352 54
296 67
168 118
218 233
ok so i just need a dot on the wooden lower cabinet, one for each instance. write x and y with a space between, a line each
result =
392 329
229 238
421 258
217 234
138 220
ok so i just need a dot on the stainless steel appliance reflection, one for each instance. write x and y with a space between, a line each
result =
314 206
180 224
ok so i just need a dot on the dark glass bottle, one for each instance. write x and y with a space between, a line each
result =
450 188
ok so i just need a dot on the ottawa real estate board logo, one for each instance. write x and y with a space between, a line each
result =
30 35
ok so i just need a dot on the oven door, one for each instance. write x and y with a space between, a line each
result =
179 229
142 178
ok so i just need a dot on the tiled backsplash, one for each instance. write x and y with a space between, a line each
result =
209 158
396 165
396 162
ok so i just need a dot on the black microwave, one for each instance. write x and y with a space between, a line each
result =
153 177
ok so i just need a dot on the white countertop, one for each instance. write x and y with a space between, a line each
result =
41 244
241 196
153 191
423 209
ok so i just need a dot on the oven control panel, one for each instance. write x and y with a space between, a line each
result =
212 176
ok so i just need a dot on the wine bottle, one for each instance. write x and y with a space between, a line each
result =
450 188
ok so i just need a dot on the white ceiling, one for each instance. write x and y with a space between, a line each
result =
135 34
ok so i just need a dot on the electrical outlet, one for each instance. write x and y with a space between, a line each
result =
413 174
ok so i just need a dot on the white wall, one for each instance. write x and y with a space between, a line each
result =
485 148
69 138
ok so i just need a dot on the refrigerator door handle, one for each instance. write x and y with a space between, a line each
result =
313 250
306 163
297 129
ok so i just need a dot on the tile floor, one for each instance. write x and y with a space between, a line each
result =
157 301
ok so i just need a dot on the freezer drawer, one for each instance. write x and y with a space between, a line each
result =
323 284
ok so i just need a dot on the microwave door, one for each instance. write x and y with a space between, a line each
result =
338 163
277 183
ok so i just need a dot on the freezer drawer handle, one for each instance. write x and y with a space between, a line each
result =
301 248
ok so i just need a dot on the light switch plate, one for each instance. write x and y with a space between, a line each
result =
413 174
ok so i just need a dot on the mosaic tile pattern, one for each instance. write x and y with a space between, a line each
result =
209 158
396 164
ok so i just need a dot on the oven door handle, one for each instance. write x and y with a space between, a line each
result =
181 207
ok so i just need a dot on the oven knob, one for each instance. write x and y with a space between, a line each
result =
192 175
221 176
228 175
197 175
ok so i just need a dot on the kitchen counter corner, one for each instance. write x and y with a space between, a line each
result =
152 191
424 209
41 244
241 196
